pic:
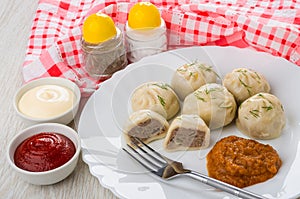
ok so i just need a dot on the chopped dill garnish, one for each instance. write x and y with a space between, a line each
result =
267 108
261 95
161 100
205 67
254 113
209 90
244 71
201 66
257 75
182 69
192 63
197 95
246 86
162 85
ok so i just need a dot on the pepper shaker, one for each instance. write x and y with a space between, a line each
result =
103 46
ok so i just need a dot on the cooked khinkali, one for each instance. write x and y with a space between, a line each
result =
156 96
261 116
213 103
190 77
244 83
187 132
146 125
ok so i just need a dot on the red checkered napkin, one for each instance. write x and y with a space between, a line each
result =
54 44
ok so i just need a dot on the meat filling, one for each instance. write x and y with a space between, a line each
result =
146 129
186 137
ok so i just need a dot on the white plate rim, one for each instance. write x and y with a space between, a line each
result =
118 74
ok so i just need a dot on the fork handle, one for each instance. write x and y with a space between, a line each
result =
224 186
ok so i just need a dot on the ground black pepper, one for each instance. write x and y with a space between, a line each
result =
104 59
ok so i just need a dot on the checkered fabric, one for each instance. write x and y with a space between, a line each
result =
54 43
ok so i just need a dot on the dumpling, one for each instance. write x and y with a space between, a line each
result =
213 103
146 125
190 77
187 132
244 83
261 116
156 96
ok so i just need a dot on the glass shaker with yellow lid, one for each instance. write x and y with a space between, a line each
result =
103 48
145 31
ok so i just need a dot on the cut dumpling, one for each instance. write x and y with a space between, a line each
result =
187 132
213 103
156 96
261 116
190 77
146 125
244 83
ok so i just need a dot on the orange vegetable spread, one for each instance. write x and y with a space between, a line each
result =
242 162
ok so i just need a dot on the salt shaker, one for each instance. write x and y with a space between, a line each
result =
145 32
103 46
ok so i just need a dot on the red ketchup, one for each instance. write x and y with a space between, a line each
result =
44 151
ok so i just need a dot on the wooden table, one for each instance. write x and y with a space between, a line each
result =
15 22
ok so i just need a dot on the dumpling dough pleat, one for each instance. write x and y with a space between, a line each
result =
156 96
187 132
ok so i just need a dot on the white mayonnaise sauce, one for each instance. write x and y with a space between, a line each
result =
46 101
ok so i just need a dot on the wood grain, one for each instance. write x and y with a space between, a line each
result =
15 23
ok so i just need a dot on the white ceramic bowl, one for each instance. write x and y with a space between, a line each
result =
51 176
63 118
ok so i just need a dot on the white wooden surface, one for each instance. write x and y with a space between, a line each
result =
15 21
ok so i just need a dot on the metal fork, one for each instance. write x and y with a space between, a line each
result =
168 169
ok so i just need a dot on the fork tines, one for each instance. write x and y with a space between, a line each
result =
147 156
167 169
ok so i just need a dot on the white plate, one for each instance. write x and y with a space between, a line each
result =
100 126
